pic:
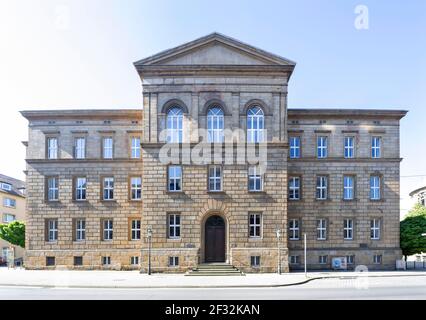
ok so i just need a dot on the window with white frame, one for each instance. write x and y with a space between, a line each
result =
294 230
173 261
108 188
106 261
294 259
80 230
135 231
107 229
321 229
52 148
294 188
255 225
350 259
255 178
375 187
349 147
108 147
215 178
134 260
52 230
376 147
4 252
322 188
322 149
348 187
294 147
375 229
174 125
215 124
7 217
255 124
348 229
135 188
135 152
80 148
6 186
52 188
175 178
377 259
323 259
174 225
255 261
80 188
8 202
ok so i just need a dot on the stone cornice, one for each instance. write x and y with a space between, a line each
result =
78 161
353 113
341 159
193 144
83 113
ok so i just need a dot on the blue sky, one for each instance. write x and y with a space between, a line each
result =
79 54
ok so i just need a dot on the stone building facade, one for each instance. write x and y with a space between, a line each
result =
101 181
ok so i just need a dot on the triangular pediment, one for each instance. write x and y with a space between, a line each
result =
215 49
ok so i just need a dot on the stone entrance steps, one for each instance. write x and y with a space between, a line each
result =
215 269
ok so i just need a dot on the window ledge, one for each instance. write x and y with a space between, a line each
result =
216 192
258 192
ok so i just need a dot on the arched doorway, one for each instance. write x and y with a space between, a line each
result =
214 239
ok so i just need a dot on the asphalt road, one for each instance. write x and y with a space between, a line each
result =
372 288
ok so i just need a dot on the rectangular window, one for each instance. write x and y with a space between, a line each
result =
108 188
135 188
215 178
321 229
255 225
322 151
348 187
6 186
50 261
294 259
135 229
350 259
322 187
107 144
294 188
106 261
294 147
376 147
80 229
78 261
294 229
80 148
377 259
255 178
7 218
348 229
107 229
175 178
255 261
52 148
52 189
80 188
174 225
134 261
8 202
52 230
349 147
323 259
173 261
135 148
375 229
375 188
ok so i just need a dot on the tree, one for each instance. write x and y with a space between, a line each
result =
412 228
14 233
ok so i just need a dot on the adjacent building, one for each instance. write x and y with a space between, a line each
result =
12 193
213 168
419 195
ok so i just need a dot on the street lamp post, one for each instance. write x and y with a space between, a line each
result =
279 253
149 236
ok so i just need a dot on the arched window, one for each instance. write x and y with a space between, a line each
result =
215 124
255 124
174 125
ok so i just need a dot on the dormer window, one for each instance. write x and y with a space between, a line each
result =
6 186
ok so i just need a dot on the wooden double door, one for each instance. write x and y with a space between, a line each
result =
215 239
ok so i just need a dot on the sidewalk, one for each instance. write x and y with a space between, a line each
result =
133 279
